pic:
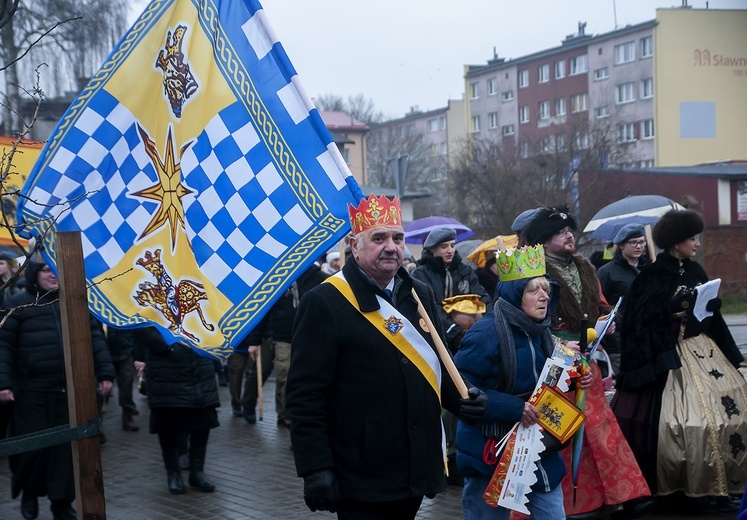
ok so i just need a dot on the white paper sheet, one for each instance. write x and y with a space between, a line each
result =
703 294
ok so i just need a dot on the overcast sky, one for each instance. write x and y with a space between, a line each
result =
401 53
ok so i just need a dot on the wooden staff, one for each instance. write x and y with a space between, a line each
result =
443 353
258 364
650 242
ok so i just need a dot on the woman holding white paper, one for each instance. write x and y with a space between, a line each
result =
681 401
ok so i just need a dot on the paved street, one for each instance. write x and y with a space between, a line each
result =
251 466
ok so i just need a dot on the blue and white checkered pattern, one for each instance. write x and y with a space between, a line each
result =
244 216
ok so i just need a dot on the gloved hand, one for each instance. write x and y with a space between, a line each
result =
714 305
472 409
320 491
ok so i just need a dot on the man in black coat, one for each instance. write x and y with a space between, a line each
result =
32 375
365 385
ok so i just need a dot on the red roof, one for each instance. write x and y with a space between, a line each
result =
340 121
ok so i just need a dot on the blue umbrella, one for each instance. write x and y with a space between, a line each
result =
417 230
607 230
632 206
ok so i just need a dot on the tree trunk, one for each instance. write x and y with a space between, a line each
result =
11 101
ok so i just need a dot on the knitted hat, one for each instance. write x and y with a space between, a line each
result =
547 222
627 232
677 226
439 236
522 221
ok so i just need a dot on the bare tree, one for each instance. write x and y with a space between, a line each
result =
7 9
359 106
39 32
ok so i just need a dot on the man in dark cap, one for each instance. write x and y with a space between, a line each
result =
616 277
520 224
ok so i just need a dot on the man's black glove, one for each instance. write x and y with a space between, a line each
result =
472 409
714 305
320 491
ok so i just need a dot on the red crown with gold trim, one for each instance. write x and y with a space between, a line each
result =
375 212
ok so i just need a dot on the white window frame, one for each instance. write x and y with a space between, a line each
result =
624 53
625 93
524 149
546 145
507 95
647 129
523 78
601 73
559 69
560 107
579 65
433 125
492 86
647 163
475 124
626 133
581 140
507 130
579 103
560 143
474 90
602 111
647 47
543 72
544 109
647 88
523 114
493 120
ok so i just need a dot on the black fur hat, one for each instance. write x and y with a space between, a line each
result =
547 222
676 226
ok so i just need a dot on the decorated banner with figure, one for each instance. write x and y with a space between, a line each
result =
202 179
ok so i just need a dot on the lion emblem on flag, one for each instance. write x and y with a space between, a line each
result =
174 302
179 84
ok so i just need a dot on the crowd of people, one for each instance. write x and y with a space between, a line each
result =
396 377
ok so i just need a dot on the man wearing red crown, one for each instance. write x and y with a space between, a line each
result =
365 385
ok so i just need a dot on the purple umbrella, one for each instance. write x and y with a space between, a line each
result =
417 230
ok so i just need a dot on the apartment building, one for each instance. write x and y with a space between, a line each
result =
571 93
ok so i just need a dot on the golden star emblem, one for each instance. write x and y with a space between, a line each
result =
169 190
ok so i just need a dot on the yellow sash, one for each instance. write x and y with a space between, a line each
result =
398 331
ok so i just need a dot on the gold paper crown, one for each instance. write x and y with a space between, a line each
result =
375 212
523 262
466 303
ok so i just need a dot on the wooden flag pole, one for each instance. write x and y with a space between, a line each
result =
650 242
81 392
258 364
442 350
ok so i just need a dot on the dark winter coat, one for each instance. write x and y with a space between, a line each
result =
31 351
479 361
121 343
357 405
432 272
278 322
176 376
649 331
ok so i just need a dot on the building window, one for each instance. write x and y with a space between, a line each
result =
602 73
579 102
474 89
545 145
492 87
508 130
579 65
624 52
626 132
648 163
581 140
559 69
524 149
625 92
493 119
410 129
647 48
647 129
524 78
433 125
603 111
560 106
507 95
475 123
544 110
523 114
544 73
647 88
560 143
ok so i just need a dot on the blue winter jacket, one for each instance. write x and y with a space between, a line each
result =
478 360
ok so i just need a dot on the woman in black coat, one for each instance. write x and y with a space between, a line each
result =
32 376
182 397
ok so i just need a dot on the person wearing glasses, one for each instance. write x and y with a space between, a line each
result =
680 399
617 275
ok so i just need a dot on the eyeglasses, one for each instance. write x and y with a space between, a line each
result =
637 243
564 232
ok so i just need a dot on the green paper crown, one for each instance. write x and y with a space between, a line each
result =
523 262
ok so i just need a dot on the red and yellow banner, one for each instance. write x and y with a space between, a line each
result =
21 161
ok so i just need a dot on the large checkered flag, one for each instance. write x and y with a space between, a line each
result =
200 175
